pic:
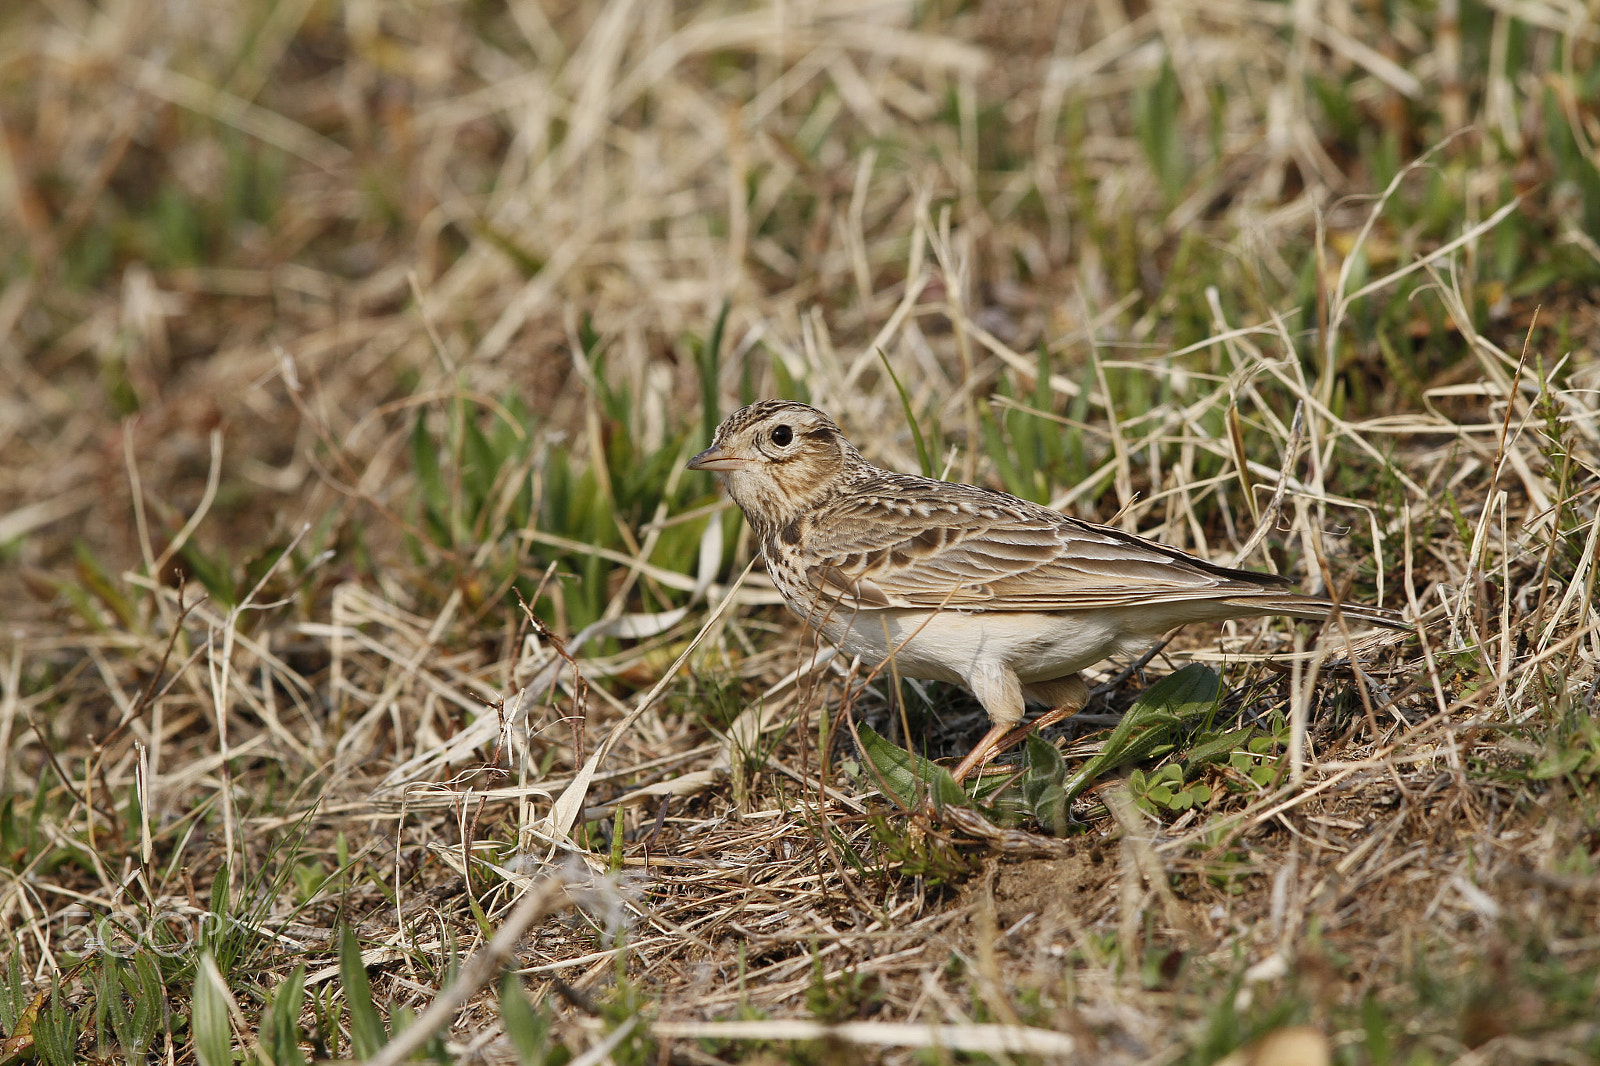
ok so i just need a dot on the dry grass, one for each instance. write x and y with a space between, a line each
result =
327 331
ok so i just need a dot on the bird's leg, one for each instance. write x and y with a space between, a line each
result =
1050 717
1065 696
982 752
1000 691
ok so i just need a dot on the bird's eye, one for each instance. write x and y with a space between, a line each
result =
782 435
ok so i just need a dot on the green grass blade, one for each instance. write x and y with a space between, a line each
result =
709 366
924 458
281 1030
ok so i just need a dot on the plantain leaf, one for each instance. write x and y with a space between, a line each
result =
1042 790
55 1030
1156 717
209 1024
1217 747
367 1033
908 777
527 1029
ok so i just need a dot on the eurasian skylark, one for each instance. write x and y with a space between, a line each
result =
964 584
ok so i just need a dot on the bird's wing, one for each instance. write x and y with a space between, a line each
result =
979 550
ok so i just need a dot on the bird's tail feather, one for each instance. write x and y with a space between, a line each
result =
1315 608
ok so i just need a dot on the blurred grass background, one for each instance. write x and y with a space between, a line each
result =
373 316
509 231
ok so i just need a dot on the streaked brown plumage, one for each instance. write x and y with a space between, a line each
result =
961 583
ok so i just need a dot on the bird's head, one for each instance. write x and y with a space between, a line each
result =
777 459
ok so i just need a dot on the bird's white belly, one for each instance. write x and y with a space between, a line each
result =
952 645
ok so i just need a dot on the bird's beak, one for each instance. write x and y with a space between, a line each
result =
715 458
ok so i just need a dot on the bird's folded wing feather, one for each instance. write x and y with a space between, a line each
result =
988 553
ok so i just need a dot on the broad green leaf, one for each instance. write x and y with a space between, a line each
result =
909 778
1156 717
526 1028
367 1035
209 1025
1217 747
1042 787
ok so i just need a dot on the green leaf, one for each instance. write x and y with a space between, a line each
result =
219 892
281 1035
209 1025
526 1028
924 458
135 1029
55 1032
1376 1026
1217 747
214 571
401 1017
219 924
107 993
1165 708
1044 766
430 481
1042 788
910 778
946 792
708 363
98 580
485 926
479 465
14 997
1188 693
1000 453
367 1035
